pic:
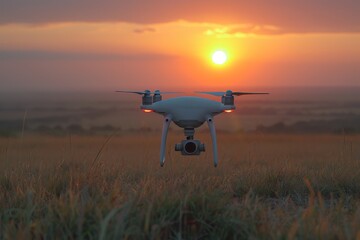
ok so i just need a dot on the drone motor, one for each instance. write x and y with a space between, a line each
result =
157 96
146 98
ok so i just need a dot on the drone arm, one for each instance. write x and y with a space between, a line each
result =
166 124
211 125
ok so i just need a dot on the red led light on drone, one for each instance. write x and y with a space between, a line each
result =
147 110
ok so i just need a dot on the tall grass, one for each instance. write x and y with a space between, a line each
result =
265 187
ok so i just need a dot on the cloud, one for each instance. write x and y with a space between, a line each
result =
144 30
289 15
51 55
238 31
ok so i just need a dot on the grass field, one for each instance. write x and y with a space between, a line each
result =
265 187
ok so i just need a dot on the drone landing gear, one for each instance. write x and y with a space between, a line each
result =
211 125
166 124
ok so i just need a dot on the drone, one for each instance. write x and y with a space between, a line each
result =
188 112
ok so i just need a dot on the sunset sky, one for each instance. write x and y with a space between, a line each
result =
109 45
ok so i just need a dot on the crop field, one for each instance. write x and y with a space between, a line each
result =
267 186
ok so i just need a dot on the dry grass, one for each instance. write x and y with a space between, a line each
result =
266 186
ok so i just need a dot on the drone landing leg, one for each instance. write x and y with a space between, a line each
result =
211 125
166 124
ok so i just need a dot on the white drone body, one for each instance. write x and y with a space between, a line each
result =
188 113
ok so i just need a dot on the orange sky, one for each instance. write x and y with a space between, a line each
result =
40 51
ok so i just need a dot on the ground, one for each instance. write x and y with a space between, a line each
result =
267 186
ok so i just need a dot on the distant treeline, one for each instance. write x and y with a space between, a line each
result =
335 126
14 128
351 125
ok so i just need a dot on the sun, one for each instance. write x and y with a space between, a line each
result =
219 57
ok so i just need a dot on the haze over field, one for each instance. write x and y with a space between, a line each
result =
285 110
92 45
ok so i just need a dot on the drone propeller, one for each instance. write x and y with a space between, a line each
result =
147 99
146 92
136 92
219 94
247 93
159 92
231 93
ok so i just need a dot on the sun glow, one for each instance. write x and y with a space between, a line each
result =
219 57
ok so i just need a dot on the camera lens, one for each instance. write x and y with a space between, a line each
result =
190 147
